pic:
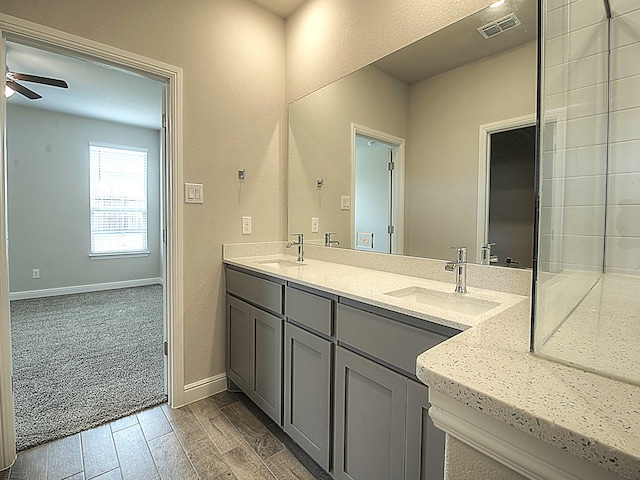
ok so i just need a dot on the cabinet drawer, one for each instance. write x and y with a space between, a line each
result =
309 309
390 341
256 290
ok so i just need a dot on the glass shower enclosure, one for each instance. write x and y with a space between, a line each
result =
586 297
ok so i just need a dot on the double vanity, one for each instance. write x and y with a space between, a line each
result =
342 357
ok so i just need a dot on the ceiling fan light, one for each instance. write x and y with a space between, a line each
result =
8 91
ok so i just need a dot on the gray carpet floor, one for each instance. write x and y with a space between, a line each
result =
86 359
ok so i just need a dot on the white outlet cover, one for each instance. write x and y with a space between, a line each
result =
314 224
246 225
345 202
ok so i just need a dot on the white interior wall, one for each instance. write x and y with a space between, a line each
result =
445 114
48 200
232 55
320 142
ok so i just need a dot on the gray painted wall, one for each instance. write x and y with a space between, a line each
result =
48 200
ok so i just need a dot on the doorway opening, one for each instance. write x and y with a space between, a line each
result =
27 33
506 200
84 209
377 218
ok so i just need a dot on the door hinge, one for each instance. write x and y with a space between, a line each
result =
164 120
166 348
390 229
392 166
164 236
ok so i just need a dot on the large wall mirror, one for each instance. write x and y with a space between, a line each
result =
427 148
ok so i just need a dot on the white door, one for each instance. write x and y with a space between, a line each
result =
373 205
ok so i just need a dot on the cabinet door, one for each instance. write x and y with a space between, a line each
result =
307 392
370 414
266 363
239 335
424 455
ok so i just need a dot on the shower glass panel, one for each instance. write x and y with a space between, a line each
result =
586 309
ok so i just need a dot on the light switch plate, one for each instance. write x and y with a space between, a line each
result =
345 202
193 193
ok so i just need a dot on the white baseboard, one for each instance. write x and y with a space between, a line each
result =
52 292
205 388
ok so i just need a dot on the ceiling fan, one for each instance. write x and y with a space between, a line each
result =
13 86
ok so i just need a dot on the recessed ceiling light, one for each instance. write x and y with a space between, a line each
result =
497 4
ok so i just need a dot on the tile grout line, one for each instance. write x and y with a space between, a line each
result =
248 444
184 450
146 442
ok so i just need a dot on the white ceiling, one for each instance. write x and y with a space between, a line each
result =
282 8
460 43
95 90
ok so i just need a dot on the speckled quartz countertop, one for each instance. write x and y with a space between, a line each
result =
489 368
371 287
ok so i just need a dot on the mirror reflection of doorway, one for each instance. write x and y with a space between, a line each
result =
373 199
512 196
377 217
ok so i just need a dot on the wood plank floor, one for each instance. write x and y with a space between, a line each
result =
221 437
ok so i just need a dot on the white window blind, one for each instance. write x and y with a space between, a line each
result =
118 189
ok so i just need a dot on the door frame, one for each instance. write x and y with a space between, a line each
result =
29 33
484 168
397 240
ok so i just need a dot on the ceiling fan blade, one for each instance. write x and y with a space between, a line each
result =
54 82
30 94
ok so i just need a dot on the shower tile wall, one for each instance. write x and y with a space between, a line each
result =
574 154
574 169
623 232
574 162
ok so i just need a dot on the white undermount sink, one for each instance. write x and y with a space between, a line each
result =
280 263
455 302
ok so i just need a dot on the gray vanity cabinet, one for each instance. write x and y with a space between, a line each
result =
337 375
239 342
307 371
266 363
375 381
424 445
307 392
254 339
371 403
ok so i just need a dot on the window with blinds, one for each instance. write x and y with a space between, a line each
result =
118 190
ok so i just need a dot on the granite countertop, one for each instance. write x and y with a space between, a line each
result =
489 368
370 287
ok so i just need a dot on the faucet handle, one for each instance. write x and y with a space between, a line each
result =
487 245
299 235
462 253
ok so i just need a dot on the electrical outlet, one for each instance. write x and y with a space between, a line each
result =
246 225
36 273
345 203
314 224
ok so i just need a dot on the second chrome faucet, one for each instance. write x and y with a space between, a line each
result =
460 267
299 243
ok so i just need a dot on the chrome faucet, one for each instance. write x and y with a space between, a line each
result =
299 243
486 258
327 239
460 267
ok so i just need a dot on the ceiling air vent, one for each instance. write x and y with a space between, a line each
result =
498 26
